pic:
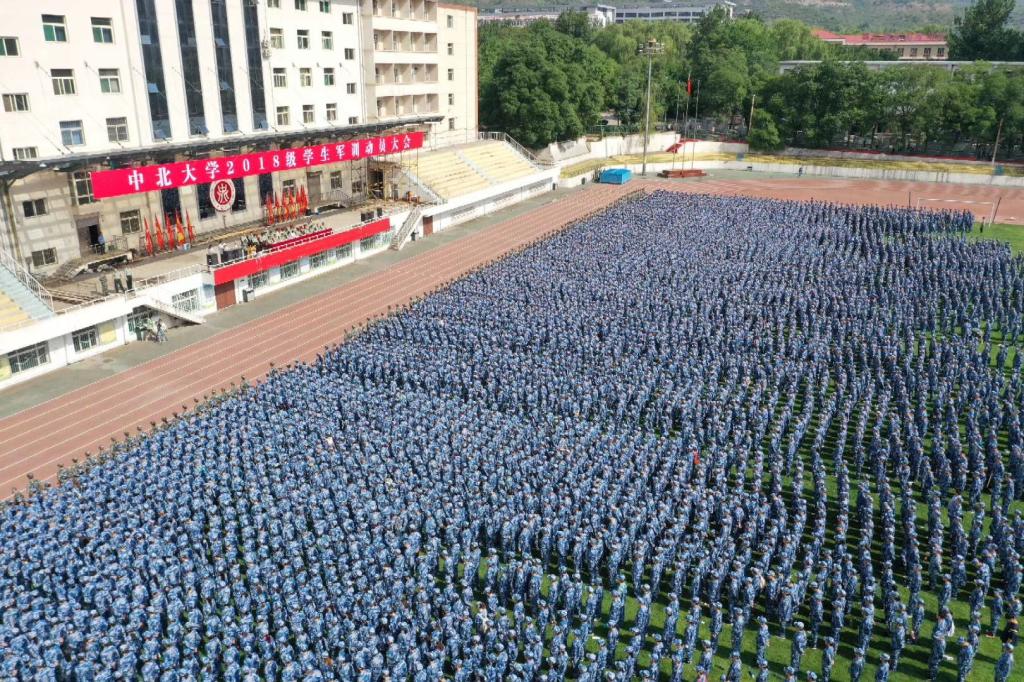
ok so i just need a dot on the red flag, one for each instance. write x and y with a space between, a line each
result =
169 226
188 222
270 209
179 229
149 238
303 199
159 234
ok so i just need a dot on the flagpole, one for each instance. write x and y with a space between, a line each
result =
696 109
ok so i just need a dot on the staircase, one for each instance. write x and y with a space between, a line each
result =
22 298
171 310
398 241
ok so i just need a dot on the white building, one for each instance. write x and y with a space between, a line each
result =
111 83
672 12
605 15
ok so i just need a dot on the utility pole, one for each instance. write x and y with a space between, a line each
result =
995 148
750 121
652 48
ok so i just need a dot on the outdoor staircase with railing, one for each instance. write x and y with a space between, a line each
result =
413 219
171 310
23 297
427 194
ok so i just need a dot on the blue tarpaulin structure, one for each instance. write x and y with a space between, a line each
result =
616 176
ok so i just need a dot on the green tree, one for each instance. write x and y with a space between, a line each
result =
764 135
576 24
982 32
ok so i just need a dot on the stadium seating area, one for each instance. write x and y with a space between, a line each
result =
498 161
456 172
17 302
691 438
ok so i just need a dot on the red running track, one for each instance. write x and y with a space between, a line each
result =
40 438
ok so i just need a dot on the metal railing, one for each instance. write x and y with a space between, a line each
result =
26 278
505 137
434 197
407 227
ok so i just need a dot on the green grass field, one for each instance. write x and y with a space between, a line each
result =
1011 234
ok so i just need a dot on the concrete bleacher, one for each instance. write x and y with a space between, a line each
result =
461 170
498 161
18 304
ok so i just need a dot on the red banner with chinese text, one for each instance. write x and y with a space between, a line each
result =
115 183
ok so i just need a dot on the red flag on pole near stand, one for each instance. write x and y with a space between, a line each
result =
159 234
169 226
149 238
270 209
188 223
179 228
303 199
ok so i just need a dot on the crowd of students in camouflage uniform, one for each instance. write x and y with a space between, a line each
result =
685 421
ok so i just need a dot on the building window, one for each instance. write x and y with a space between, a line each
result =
367 244
941 52
225 72
280 78
305 77
332 112
451 74
318 260
25 153
110 81
32 356
302 37
260 279
353 120
350 53
139 319
358 187
273 4
451 21
451 124
84 339
44 257
927 52
277 38
16 102
451 49
117 129
300 5
350 88
8 46
186 300
54 30
131 222
33 207
343 252
289 270
451 99
287 186
63 81
346 18
325 6
913 52
327 39
283 116
71 133
239 204
153 62
307 113
329 76
81 184
336 182
101 30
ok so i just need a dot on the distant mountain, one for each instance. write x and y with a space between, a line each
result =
836 15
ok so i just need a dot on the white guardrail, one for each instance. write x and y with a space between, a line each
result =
26 278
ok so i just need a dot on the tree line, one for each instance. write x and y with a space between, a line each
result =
557 80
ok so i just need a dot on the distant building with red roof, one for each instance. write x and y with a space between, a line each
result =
918 46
